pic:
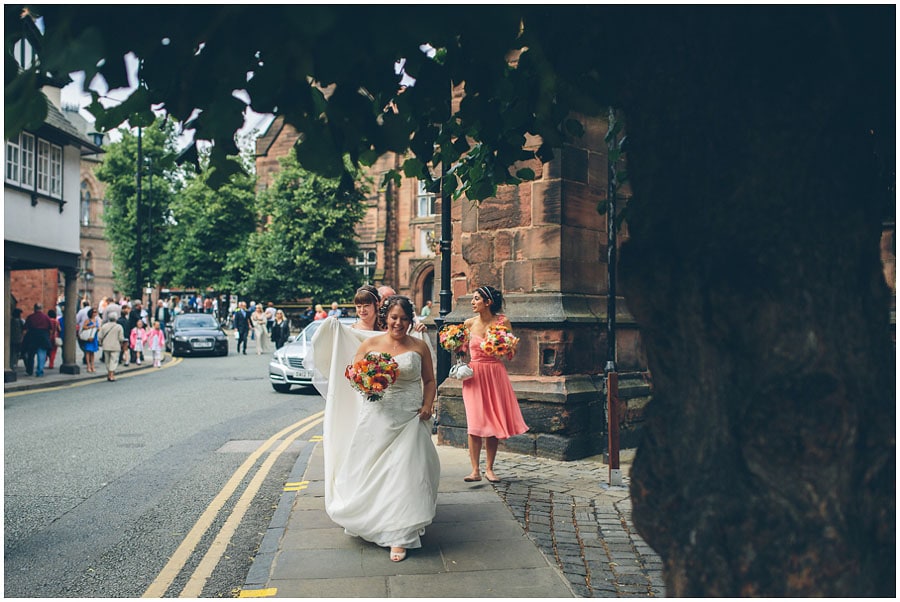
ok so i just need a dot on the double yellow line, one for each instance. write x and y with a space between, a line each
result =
179 559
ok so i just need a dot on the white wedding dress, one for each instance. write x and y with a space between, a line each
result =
381 467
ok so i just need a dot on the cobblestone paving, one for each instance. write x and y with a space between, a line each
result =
577 519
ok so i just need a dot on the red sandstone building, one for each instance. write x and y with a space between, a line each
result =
399 234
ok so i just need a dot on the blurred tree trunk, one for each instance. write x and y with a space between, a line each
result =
753 269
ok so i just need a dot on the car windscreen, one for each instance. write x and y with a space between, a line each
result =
201 321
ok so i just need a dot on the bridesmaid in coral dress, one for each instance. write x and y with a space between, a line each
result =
492 410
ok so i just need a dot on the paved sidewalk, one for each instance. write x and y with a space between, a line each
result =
53 378
548 530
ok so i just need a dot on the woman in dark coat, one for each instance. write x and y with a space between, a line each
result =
281 329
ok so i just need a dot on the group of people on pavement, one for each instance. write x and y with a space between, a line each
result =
121 330
265 325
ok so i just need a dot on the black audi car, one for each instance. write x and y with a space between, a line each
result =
196 334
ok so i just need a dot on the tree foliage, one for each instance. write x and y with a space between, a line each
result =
342 91
160 182
304 244
208 232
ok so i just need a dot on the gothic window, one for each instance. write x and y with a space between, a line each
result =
85 204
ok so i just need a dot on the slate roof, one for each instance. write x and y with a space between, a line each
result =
56 120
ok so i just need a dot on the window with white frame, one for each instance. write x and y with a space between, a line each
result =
49 169
56 171
13 161
20 160
43 167
27 149
425 200
365 263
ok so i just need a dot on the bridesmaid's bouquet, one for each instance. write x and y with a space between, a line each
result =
373 374
454 338
499 342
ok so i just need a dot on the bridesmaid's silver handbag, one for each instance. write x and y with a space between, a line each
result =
460 370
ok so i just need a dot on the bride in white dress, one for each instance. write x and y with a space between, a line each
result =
381 467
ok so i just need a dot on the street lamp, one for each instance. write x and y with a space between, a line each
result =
138 290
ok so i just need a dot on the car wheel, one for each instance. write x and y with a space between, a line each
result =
281 387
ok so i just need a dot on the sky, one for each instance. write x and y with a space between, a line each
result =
72 95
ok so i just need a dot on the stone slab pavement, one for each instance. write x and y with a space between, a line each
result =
548 530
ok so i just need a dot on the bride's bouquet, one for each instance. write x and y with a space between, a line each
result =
499 342
373 374
454 338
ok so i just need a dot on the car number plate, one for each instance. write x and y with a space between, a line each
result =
303 374
203 345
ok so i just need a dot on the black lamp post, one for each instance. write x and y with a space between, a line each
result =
139 291
446 295
149 161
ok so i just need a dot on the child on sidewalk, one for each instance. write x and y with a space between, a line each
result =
156 342
138 335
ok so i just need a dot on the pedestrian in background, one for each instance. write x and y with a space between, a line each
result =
137 338
335 311
156 343
16 336
88 335
320 314
242 326
270 316
37 341
55 338
125 348
281 330
258 320
110 338
162 314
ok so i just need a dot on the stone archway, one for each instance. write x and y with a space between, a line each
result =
422 284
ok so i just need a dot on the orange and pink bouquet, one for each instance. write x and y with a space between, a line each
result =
454 338
499 342
373 374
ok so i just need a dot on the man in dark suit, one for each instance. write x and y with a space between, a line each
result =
242 325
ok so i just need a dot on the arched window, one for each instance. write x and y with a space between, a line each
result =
85 204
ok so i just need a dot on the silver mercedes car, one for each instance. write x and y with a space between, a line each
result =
286 368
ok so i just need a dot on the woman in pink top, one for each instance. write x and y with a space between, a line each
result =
492 410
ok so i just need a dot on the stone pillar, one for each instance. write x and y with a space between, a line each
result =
9 375
69 362
543 244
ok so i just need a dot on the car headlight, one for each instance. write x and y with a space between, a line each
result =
181 339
